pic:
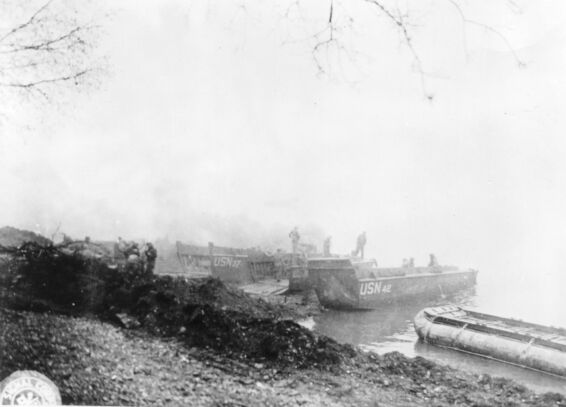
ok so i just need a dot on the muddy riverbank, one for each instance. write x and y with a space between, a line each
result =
122 337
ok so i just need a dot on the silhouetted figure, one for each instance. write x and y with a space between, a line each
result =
150 256
360 244
326 246
295 237
130 250
121 247
433 262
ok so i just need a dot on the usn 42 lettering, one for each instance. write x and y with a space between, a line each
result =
374 287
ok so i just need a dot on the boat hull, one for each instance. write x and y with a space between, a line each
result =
343 290
516 342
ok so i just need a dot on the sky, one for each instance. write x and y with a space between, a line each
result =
214 124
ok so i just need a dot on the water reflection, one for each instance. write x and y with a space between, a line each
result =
535 380
390 328
383 324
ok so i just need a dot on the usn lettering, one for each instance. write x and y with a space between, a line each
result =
227 262
374 287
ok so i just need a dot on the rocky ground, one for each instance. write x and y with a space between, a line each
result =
95 362
122 337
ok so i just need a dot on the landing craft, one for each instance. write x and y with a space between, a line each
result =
509 340
346 283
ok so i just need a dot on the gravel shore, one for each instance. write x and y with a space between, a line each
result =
118 337
95 362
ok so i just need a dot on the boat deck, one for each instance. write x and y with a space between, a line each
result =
517 329
415 275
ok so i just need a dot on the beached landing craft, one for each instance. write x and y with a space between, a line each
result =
521 343
344 283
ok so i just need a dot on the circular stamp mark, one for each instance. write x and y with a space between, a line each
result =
26 387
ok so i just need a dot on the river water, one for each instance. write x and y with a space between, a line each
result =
390 328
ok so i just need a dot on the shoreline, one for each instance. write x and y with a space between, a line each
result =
110 336
99 363
95 362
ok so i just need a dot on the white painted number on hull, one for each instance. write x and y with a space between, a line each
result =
227 262
374 287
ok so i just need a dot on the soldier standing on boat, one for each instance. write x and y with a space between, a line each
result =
433 262
326 246
295 237
360 244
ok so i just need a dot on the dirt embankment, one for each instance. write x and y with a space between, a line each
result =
200 343
203 313
12 237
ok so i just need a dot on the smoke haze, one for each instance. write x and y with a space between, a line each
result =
208 129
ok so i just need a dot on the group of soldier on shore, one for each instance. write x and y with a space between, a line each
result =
132 253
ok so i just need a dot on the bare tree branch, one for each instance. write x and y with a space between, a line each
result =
40 82
44 45
515 8
489 28
49 52
402 26
328 39
27 23
327 43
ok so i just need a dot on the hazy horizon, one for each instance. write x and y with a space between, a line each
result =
213 125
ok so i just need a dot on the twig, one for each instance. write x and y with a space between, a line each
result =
28 22
45 81
489 28
402 27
